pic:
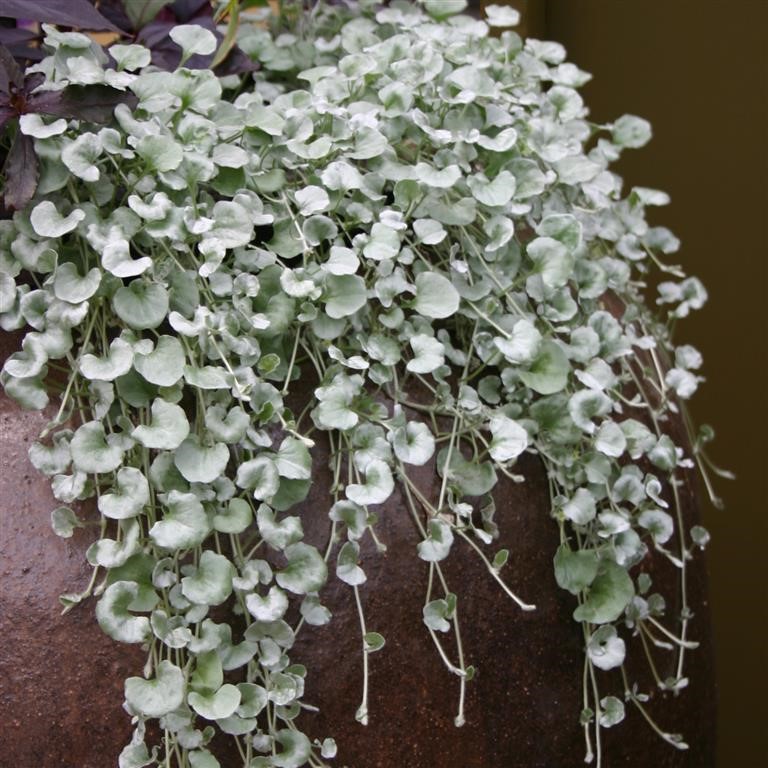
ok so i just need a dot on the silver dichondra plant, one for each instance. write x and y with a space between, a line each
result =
420 217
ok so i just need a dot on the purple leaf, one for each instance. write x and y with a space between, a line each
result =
32 81
114 10
26 52
15 36
69 13
141 12
10 74
236 63
184 10
21 173
92 103
6 113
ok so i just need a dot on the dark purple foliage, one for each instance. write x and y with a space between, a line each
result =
92 103
21 173
68 13
166 54
185 10
153 33
21 43
114 10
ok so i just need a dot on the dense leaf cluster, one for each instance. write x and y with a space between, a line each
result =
421 217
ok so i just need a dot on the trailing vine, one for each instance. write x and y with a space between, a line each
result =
420 218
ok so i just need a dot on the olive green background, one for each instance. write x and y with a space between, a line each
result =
698 70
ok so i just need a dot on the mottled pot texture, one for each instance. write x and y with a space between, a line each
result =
61 678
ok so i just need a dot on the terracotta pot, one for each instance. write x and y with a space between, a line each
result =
61 678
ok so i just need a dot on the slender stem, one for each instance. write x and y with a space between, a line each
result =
598 711
489 566
679 641
670 738
289 373
649 656
589 755
362 713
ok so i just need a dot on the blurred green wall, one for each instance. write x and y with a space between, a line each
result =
698 70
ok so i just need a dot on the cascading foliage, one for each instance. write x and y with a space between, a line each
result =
421 219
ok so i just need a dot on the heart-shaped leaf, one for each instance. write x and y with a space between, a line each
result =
114 617
260 476
164 365
234 518
227 426
581 508
48 222
184 523
378 485
347 568
296 749
117 362
312 199
69 285
613 712
306 570
608 595
131 57
494 193
109 553
51 459
80 156
510 439
413 443
253 699
313 612
334 410
193 40
472 478
293 460
438 543
141 305
92 452
157 697
549 372
28 363
203 758
352 515
200 463
64 521
278 534
575 571
161 153
167 430
521 345
373 641
428 354
172 631
344 295
435 296
218 705
501 16
211 581
269 608
436 614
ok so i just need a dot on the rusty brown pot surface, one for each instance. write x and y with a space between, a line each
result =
61 679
